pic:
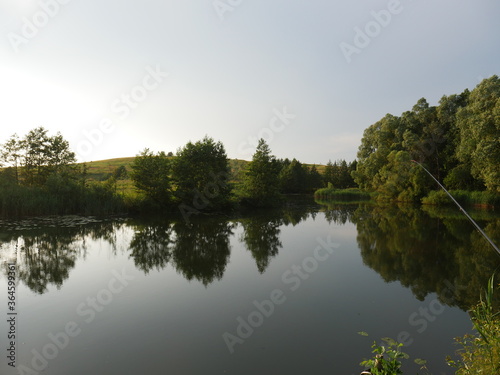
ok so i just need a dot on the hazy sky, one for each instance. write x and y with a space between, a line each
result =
308 76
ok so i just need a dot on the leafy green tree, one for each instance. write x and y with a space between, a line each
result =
344 175
400 179
329 174
43 155
201 173
314 179
261 178
447 116
10 155
378 141
293 178
151 175
479 125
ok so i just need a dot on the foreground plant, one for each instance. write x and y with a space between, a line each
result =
480 354
386 360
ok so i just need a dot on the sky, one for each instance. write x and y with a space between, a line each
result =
308 76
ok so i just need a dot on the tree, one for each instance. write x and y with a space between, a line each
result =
151 175
201 173
293 178
378 141
329 174
43 155
314 180
261 177
400 179
479 126
11 155
344 175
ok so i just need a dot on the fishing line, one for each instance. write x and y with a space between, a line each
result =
461 209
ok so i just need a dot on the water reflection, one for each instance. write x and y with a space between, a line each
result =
45 255
428 250
201 250
261 236
151 245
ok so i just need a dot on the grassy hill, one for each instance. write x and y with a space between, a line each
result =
101 170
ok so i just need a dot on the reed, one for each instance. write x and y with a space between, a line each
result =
342 194
59 198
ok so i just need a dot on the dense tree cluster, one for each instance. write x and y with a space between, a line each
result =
199 177
32 159
339 174
267 178
458 141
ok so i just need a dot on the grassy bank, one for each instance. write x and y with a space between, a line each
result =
465 198
342 194
59 198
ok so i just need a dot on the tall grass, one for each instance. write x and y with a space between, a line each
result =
59 197
330 193
480 354
465 198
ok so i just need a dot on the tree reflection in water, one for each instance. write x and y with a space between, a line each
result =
46 254
426 249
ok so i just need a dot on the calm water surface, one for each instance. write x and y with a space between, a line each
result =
275 292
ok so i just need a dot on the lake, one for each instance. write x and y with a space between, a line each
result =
282 291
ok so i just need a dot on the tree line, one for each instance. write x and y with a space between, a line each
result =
40 175
458 141
199 177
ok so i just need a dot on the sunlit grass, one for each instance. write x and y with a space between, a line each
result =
480 353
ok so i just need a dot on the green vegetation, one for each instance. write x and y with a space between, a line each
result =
387 358
40 177
339 174
151 176
201 175
479 198
458 141
480 354
330 193
259 186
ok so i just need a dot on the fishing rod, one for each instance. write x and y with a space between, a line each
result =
461 209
